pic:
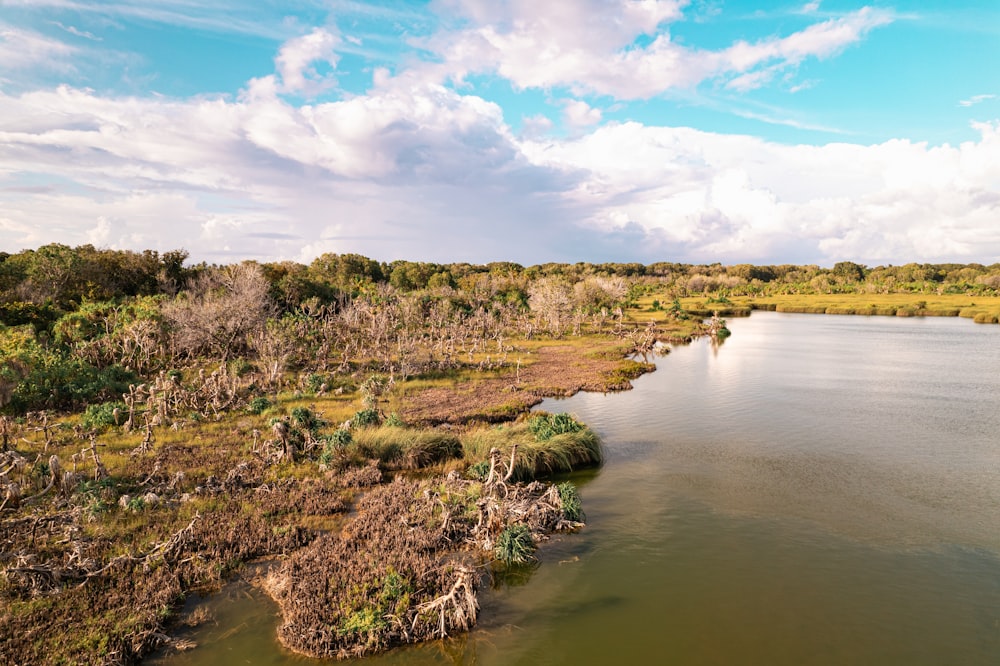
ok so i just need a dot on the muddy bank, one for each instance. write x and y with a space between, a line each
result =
553 370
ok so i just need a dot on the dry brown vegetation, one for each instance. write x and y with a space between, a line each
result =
235 414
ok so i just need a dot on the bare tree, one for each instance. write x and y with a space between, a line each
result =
550 299
219 310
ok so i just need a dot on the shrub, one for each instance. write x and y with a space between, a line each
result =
514 545
478 471
258 405
102 416
316 383
366 417
306 419
341 437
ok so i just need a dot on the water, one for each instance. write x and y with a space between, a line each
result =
817 490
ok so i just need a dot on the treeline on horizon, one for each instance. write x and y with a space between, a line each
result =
79 325
61 277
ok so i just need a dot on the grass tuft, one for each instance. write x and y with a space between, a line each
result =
514 545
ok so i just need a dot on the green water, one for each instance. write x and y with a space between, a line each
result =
817 490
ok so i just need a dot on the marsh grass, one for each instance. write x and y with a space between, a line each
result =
563 452
981 309
514 545
404 448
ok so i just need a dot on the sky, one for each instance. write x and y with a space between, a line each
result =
697 131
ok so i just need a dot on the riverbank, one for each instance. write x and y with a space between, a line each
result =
106 530
980 309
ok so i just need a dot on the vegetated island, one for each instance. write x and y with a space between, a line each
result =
165 424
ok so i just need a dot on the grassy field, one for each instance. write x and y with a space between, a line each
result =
981 309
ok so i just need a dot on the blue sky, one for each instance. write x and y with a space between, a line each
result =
479 130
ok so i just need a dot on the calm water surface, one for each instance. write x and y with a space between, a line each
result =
817 490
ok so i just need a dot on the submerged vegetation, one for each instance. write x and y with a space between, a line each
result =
162 424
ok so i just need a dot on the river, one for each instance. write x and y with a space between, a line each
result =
818 489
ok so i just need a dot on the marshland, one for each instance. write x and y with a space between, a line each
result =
361 434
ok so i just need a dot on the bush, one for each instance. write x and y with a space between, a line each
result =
366 417
307 420
258 405
478 471
102 416
514 545
340 438
315 383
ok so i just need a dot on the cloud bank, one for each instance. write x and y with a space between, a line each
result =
419 168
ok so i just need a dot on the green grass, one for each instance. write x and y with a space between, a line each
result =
562 452
983 309
514 545
406 448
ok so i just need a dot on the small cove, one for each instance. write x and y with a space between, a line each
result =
818 489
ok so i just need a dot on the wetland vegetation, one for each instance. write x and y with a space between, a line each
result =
165 424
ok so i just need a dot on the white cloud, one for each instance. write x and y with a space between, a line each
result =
591 47
578 113
415 169
715 197
976 99
22 49
296 57
810 7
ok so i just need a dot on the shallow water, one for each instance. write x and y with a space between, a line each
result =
818 489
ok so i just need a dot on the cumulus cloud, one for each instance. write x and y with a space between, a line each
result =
432 174
741 198
592 47
296 59
417 169
578 113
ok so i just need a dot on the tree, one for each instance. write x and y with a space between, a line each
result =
551 300
219 310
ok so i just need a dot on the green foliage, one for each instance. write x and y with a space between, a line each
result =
560 453
546 426
315 382
405 448
394 421
102 416
340 437
364 624
366 418
514 545
34 375
478 471
572 507
336 442
304 418
258 405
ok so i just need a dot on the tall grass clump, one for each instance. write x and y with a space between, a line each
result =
546 426
514 545
404 447
561 452
572 506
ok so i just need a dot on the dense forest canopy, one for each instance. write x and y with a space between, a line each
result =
82 324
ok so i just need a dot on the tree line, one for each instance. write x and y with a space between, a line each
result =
80 324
